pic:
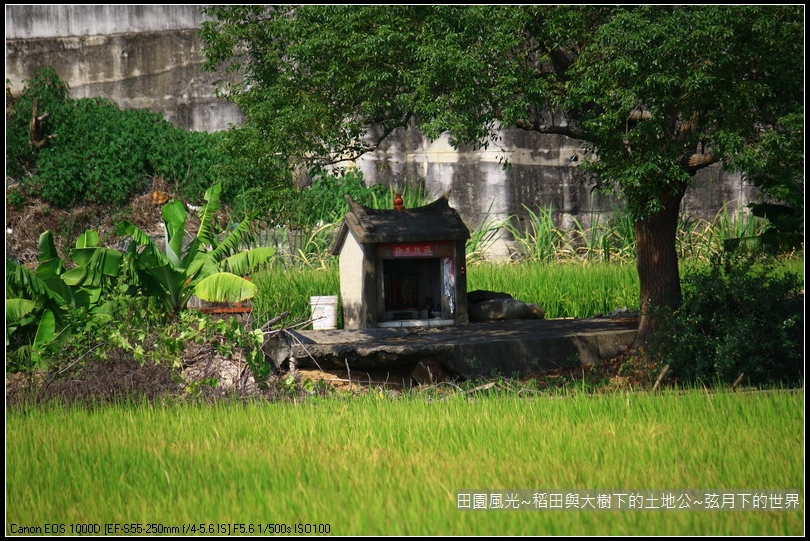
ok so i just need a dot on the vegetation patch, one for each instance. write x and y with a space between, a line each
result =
401 462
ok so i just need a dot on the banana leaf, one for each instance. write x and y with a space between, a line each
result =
225 287
88 239
243 263
47 248
18 309
174 217
46 330
206 233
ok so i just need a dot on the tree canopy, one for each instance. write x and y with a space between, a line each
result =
655 93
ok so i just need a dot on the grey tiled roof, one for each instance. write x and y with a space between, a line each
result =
434 221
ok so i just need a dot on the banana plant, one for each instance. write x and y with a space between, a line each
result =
36 301
20 314
211 269
55 287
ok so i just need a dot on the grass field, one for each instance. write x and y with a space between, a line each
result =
374 465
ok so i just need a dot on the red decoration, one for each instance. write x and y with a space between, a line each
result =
412 250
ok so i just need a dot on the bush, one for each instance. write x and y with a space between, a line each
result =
739 316
95 152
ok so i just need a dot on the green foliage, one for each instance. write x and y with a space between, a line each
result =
306 220
782 233
324 201
698 240
739 316
30 335
289 290
688 71
99 283
718 80
15 197
654 92
97 153
573 289
56 296
539 239
100 155
203 267
51 94
252 179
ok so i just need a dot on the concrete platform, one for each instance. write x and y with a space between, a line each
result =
474 350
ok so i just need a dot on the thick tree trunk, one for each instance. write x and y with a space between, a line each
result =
657 263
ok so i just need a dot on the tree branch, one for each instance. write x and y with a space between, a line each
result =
541 127
695 162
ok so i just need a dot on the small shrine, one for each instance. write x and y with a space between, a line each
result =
402 267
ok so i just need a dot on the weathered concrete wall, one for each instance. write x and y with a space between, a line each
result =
149 57
141 57
543 170
54 21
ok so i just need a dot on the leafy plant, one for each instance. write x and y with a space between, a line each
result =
40 328
207 267
739 316
88 150
45 94
324 200
39 302
783 231
481 239
537 239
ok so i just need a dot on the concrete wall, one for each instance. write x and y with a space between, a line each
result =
543 170
148 56
141 57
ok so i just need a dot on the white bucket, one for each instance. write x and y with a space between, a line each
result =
324 312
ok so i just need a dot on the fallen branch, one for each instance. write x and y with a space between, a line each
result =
266 327
483 387
660 377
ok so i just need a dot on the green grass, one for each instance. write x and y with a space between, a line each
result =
290 288
573 289
562 289
372 466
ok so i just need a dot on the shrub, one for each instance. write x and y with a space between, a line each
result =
94 152
739 316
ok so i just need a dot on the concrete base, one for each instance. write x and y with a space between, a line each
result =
515 347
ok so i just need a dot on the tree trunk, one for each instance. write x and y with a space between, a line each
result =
657 263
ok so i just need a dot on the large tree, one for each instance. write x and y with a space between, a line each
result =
655 93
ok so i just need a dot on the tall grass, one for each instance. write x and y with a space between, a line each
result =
288 289
577 272
412 196
534 236
538 238
699 240
372 466
563 290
